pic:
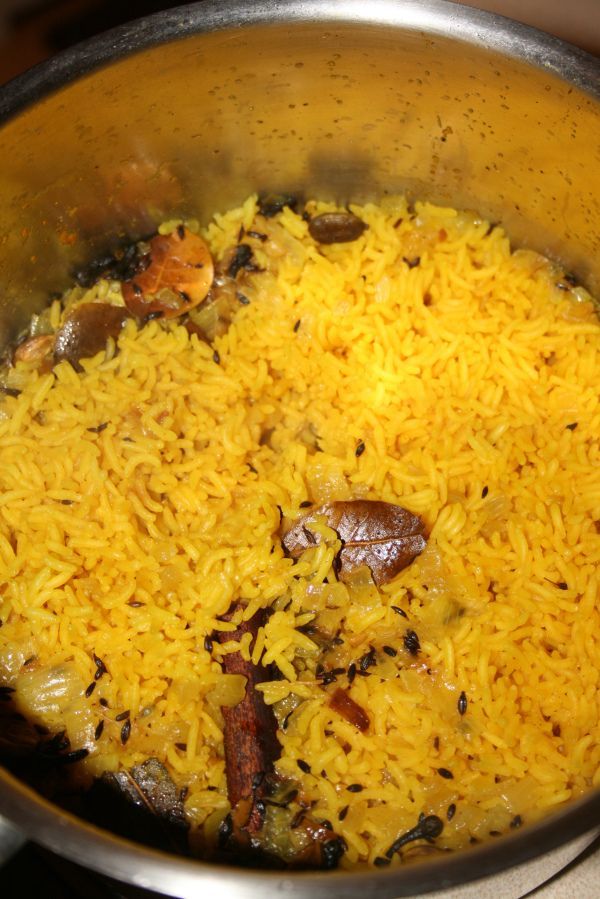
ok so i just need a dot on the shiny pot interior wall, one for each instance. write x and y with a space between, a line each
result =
347 110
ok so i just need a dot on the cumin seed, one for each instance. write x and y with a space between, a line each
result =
126 731
411 643
77 755
258 779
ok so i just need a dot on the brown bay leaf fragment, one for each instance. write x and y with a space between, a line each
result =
86 330
382 536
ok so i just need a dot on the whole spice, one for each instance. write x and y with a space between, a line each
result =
428 828
411 643
70 758
101 668
271 204
126 731
399 611
249 734
336 227
382 536
367 660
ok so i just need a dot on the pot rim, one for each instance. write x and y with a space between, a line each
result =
101 850
147 868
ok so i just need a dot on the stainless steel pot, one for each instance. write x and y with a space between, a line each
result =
189 111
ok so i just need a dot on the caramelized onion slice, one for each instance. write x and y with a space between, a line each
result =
177 278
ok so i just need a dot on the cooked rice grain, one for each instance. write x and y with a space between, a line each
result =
460 378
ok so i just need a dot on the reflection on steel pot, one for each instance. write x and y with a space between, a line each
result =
194 109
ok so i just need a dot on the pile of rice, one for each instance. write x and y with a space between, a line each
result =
142 497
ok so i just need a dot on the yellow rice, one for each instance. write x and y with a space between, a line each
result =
461 376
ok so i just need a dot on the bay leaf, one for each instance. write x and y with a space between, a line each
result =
382 536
